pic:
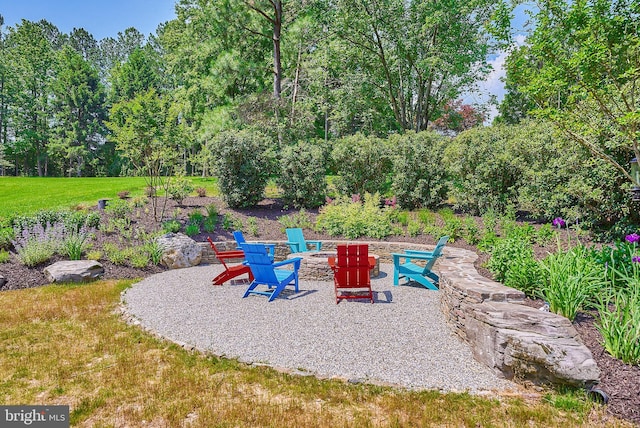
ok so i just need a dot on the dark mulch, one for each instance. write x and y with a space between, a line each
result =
621 382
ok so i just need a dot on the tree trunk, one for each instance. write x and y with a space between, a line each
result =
277 63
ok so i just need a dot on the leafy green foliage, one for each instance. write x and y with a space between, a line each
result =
579 66
179 188
300 220
243 164
353 219
4 256
302 175
192 229
619 322
571 279
419 175
171 226
363 165
485 174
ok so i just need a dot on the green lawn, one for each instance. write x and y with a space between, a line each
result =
21 195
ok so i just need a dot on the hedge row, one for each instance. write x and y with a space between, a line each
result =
527 167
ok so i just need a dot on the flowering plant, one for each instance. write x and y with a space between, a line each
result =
559 222
632 238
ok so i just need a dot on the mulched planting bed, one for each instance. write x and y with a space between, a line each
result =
620 381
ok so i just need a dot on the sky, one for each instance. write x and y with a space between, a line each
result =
101 18
105 18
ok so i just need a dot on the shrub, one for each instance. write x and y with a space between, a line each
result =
512 262
503 254
571 279
363 165
94 255
296 220
192 229
302 175
4 256
471 231
419 175
115 255
119 208
212 210
139 258
123 194
209 224
150 191
484 171
179 188
243 164
171 226
252 226
196 217
7 235
201 191
353 219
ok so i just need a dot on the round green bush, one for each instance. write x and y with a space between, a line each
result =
302 175
243 162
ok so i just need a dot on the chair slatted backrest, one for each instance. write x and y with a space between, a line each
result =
260 263
296 235
352 265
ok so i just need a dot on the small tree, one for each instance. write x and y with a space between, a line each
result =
144 131
243 163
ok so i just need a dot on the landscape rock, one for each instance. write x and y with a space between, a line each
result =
179 251
3 281
74 271
525 343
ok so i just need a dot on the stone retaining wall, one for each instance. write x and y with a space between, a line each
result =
515 340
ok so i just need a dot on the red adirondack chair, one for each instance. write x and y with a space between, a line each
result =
229 271
351 272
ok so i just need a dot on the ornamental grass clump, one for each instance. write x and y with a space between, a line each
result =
75 242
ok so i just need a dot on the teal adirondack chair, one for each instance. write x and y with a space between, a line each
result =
266 272
297 243
422 274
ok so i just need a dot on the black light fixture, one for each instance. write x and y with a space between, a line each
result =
635 175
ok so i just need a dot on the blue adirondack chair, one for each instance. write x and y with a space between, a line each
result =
266 272
297 243
421 273
239 237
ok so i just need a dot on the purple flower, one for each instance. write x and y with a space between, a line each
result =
635 259
559 222
390 202
633 238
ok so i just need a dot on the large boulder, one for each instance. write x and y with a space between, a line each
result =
74 271
526 343
179 251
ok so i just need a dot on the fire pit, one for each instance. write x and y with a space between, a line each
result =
315 265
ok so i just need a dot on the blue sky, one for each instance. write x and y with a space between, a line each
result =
101 18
